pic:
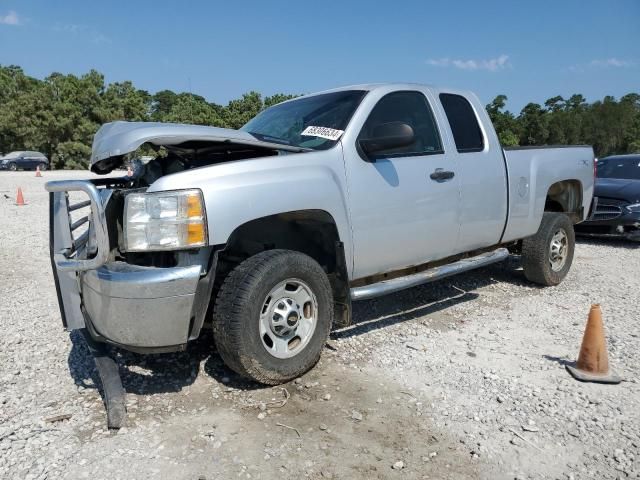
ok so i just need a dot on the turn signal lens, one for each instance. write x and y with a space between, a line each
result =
195 234
194 205
165 221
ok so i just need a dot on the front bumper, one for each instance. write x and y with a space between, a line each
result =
625 226
140 307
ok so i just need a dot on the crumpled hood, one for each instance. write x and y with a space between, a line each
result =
620 188
116 139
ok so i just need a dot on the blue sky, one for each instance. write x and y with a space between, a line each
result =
529 51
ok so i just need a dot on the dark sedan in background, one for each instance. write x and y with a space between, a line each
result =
617 211
24 160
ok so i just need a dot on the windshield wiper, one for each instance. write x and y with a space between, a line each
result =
269 138
281 141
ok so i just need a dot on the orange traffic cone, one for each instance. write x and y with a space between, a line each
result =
38 173
20 198
593 361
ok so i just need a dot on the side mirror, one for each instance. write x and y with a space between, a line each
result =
387 136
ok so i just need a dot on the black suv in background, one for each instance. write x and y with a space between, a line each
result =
617 211
25 160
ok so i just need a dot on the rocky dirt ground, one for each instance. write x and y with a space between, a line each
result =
459 379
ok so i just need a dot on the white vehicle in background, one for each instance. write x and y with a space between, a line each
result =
271 231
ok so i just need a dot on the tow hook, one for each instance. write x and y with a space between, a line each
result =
114 394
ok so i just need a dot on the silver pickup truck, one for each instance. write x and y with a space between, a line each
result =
268 233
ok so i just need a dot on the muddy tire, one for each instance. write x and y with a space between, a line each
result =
547 256
272 316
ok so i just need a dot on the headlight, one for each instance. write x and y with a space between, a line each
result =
635 208
164 221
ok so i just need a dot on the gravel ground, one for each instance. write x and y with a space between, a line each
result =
463 378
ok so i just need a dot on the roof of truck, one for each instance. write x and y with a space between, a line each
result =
392 86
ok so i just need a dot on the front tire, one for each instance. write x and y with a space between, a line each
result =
547 256
13 167
273 315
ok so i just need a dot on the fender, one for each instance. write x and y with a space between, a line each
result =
238 192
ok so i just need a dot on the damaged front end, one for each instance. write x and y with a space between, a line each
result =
131 279
145 302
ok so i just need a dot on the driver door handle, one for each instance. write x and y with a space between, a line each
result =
441 175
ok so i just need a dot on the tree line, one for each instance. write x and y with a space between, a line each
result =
60 114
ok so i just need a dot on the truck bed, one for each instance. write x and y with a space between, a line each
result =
531 170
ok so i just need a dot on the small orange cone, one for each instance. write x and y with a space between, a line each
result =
593 361
20 198
38 173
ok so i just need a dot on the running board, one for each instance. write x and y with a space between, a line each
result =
430 275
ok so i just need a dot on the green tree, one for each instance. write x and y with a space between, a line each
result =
534 125
60 114
194 109
238 112
504 122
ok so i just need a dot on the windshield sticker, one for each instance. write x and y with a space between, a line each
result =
322 132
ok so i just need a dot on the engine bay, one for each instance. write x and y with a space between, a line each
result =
189 155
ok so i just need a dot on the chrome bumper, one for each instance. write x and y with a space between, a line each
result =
142 307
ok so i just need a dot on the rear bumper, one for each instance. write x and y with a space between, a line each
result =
140 307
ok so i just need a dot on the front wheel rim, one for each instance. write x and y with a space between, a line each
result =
558 250
288 318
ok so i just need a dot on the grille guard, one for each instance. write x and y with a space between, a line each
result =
66 253
64 250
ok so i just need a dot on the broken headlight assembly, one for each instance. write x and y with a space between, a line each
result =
157 221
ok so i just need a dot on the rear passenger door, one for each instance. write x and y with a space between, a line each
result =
481 173
403 213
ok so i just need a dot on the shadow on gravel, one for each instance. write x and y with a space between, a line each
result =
215 368
615 242
559 360
430 298
148 374
141 374
171 372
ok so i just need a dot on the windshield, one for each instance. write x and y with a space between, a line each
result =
315 122
627 168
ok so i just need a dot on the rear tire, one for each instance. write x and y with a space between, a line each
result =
43 166
272 316
547 256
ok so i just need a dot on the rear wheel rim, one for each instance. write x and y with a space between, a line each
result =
288 318
558 250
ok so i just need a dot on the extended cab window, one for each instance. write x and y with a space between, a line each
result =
410 108
464 124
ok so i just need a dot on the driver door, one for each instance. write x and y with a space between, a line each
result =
404 210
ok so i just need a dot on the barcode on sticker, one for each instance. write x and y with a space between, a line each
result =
322 132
